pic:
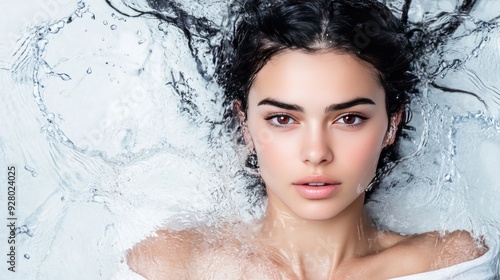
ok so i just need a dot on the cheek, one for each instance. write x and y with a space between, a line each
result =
274 150
361 152
263 137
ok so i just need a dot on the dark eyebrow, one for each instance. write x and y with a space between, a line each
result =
276 103
349 104
331 108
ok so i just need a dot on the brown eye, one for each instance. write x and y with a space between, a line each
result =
349 119
352 120
283 119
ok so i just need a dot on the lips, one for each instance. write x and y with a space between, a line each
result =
317 187
319 180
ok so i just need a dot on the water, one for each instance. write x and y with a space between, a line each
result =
111 116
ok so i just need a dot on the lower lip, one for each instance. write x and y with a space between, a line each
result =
319 192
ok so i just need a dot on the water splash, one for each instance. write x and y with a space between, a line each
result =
117 102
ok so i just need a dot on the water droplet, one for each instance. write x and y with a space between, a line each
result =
54 28
163 27
24 229
139 32
141 41
63 198
31 170
89 70
448 178
115 16
113 27
26 256
105 22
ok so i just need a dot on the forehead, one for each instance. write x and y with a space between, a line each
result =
298 74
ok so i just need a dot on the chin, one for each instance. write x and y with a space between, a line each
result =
321 210
318 212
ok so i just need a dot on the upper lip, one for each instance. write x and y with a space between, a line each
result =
317 179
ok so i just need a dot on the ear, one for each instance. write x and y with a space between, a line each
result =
392 130
244 126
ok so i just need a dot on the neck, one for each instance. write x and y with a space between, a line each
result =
330 242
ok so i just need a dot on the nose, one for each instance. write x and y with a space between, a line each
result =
316 147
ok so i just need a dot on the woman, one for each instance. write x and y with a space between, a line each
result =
320 89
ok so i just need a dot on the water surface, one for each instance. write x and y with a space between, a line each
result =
112 116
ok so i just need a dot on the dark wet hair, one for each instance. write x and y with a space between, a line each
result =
365 29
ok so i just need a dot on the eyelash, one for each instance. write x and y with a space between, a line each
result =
356 115
273 116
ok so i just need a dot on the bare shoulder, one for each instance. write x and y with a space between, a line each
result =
181 254
452 248
426 252
165 253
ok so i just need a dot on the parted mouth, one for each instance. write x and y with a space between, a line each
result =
317 181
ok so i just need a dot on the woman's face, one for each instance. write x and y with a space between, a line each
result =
318 123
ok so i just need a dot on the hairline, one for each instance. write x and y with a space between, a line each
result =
319 47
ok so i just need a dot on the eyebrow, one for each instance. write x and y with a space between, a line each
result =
329 109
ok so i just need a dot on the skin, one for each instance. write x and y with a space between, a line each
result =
313 142
302 238
342 144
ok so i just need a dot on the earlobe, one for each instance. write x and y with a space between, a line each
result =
247 137
244 126
390 136
239 111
